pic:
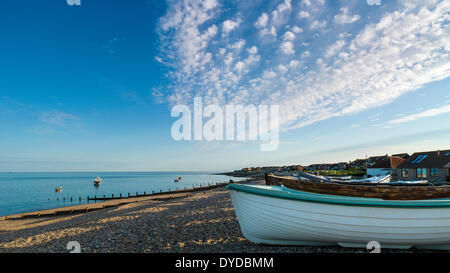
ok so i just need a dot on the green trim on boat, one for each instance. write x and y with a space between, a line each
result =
286 193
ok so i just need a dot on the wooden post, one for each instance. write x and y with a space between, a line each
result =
128 194
71 199
112 195
153 192
80 198
120 195
145 193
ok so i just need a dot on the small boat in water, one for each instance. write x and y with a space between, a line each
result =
97 181
58 189
276 215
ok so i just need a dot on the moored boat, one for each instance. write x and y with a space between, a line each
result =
401 190
277 215
97 181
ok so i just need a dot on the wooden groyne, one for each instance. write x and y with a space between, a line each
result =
207 186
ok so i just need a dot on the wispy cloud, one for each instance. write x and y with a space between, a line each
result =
394 53
425 114
57 118
50 122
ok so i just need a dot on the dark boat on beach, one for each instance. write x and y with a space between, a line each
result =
387 191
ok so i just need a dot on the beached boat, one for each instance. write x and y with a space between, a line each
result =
97 181
277 215
318 178
401 190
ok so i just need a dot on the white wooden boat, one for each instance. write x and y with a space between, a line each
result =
277 215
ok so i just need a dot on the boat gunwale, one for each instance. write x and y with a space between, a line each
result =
329 199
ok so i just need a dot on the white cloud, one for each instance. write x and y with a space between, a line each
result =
279 15
238 45
287 48
425 114
288 36
253 50
190 43
283 69
269 31
334 48
293 64
345 18
399 52
303 14
262 20
229 25
297 29
305 54
318 24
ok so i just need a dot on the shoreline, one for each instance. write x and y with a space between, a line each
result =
111 202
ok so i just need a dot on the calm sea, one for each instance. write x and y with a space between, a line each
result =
24 192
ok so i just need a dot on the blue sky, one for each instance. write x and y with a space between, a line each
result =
90 87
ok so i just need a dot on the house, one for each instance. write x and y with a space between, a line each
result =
383 165
359 164
433 166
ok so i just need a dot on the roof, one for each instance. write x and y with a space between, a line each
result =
431 159
386 162
402 155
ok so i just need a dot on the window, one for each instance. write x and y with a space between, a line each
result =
434 171
405 173
421 172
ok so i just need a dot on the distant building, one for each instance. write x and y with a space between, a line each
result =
359 164
433 166
383 165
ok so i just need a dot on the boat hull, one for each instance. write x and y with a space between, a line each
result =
281 221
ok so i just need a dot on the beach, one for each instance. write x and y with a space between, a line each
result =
197 222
